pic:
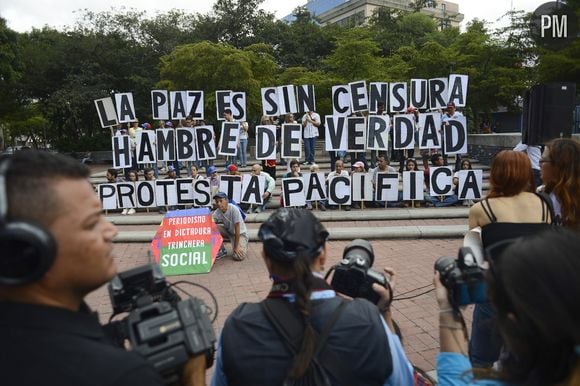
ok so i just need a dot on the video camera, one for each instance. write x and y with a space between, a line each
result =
353 276
164 329
463 278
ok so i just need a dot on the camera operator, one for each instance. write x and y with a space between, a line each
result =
252 350
56 247
533 285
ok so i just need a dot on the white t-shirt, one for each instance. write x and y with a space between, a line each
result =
310 130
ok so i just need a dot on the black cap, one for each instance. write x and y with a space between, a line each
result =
290 233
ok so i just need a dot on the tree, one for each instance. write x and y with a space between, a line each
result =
238 21
355 57
209 67
10 72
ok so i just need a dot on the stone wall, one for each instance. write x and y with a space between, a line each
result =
484 147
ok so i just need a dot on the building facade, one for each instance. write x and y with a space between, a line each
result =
357 12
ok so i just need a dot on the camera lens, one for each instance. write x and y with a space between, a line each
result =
444 265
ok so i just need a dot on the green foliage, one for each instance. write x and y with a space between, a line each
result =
355 57
212 66
11 69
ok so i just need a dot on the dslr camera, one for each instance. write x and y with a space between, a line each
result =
161 327
353 276
463 278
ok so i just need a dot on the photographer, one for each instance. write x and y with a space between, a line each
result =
56 247
356 343
534 287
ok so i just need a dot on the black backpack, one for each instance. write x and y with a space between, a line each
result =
291 329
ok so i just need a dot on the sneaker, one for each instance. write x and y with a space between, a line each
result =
250 211
124 212
259 210
131 211
221 253
309 205
304 163
322 207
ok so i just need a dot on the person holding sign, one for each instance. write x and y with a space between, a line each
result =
310 123
449 114
338 171
270 185
231 226
357 167
465 165
383 166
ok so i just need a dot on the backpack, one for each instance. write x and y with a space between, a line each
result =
291 328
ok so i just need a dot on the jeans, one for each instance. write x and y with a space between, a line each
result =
242 151
447 200
485 343
309 144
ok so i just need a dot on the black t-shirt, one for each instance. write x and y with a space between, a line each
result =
42 345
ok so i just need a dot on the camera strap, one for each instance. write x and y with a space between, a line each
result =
289 325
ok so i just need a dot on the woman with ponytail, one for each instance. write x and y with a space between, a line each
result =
253 349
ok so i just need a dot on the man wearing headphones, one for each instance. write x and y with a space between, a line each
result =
359 348
55 248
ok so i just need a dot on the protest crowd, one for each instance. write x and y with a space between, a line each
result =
526 323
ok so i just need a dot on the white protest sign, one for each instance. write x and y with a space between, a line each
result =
403 131
232 186
419 93
229 139
339 190
253 188
204 137
126 194
455 135
121 151
413 186
106 111
378 93
293 191
291 140
186 148
387 186
378 132
359 100
458 89
265 142
125 107
441 181
470 184
340 101
428 128
362 186
108 196
335 133
160 104
315 186
145 149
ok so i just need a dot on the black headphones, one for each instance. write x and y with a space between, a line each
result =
26 249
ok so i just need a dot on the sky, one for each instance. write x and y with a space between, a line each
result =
23 15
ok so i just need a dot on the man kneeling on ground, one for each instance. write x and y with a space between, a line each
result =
231 226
